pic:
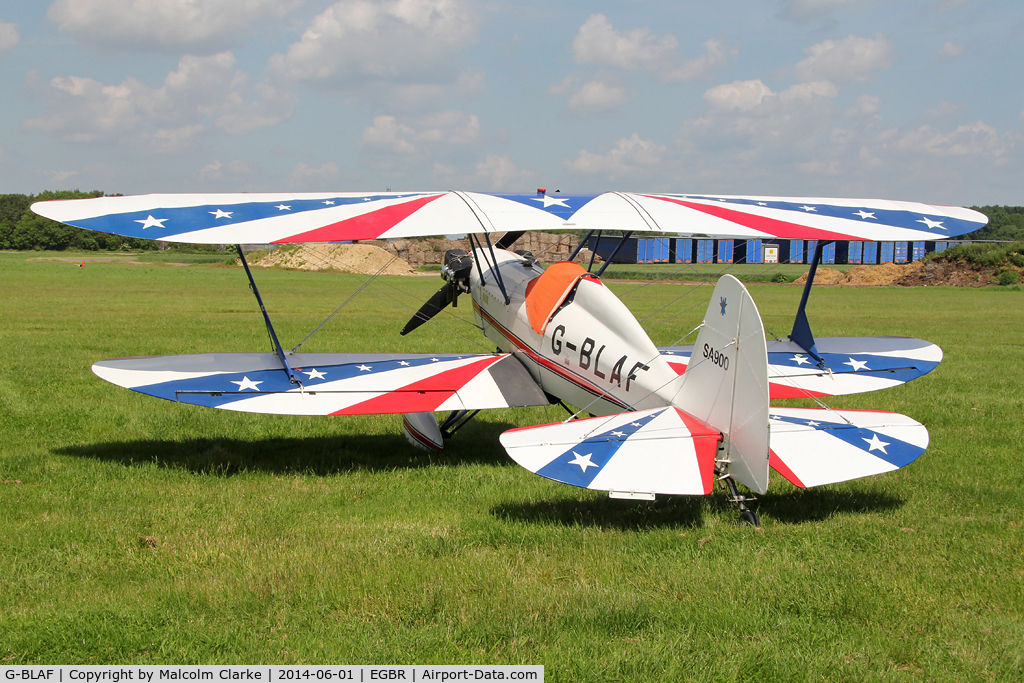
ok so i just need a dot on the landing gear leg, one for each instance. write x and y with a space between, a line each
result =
455 421
747 516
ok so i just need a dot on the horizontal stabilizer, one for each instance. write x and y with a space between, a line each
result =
662 450
853 365
332 383
812 447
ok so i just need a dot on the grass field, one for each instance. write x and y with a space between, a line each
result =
138 530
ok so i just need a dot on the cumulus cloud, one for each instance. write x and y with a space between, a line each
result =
950 50
866 105
306 177
741 95
811 9
851 59
215 170
163 25
8 37
433 132
597 96
501 174
628 157
410 45
598 43
203 91
977 139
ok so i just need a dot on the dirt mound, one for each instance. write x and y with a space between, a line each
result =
864 276
364 259
956 274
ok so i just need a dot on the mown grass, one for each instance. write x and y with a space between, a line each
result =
145 531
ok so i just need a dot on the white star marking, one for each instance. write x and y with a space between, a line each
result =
857 365
773 417
403 362
583 461
328 202
150 222
762 203
364 368
800 360
812 423
435 359
876 444
220 214
618 433
809 208
931 224
247 383
283 207
314 374
865 214
551 201
634 424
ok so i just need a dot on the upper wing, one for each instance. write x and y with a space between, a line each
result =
333 383
325 217
853 365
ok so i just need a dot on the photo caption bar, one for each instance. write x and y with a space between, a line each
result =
361 673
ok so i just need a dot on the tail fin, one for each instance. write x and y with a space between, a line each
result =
726 382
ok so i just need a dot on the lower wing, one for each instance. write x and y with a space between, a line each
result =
332 383
853 365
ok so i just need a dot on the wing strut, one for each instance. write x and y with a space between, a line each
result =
266 318
801 333
615 252
492 263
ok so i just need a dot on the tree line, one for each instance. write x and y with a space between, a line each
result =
22 230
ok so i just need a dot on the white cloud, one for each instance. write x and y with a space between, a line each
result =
627 158
163 25
950 50
501 173
596 96
399 42
977 139
809 9
597 42
8 37
215 170
806 92
742 95
432 132
305 177
849 59
203 91
866 105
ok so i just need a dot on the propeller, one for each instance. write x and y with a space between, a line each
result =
455 271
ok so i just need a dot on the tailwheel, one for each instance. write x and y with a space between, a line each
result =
747 516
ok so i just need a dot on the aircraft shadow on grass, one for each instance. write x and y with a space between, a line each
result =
315 455
792 507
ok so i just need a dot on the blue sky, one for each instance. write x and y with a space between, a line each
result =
901 99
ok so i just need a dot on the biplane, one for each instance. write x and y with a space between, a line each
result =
659 420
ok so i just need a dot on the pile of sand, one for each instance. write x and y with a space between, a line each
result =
865 276
364 259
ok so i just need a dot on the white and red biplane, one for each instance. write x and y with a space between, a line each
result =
663 420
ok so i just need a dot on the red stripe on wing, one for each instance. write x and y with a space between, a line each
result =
367 226
771 226
775 462
423 396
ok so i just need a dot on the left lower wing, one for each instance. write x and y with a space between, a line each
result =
332 383
853 365
325 217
